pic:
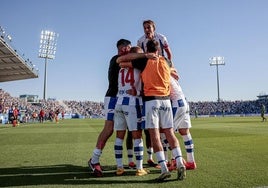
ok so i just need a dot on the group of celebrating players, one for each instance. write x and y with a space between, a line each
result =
144 94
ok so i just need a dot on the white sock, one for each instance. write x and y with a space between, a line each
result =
176 152
161 160
96 156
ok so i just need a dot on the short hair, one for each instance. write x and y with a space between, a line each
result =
136 49
123 42
150 22
152 46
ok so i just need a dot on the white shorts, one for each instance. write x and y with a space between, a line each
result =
109 105
158 114
127 117
181 115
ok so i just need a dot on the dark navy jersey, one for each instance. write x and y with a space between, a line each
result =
10 112
113 77
139 63
142 62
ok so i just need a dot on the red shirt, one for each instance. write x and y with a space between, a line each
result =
42 113
15 112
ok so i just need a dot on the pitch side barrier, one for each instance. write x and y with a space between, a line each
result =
3 118
229 115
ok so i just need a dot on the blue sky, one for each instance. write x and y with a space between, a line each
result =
88 30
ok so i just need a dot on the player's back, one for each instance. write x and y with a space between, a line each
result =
128 78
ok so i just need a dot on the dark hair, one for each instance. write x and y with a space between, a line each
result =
152 46
150 22
123 42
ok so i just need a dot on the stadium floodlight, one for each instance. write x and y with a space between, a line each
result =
4 34
217 61
47 50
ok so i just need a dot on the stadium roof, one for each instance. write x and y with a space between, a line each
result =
13 66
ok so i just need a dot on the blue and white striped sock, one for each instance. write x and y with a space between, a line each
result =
118 150
138 150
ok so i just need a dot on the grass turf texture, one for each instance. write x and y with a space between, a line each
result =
230 152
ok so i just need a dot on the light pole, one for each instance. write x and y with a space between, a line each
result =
47 50
217 61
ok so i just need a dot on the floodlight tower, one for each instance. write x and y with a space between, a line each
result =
47 50
217 61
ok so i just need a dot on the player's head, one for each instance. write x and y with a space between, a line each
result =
136 49
148 24
123 46
152 46
149 28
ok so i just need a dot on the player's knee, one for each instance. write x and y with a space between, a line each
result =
183 131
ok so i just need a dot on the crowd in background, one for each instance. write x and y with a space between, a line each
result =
227 107
85 108
30 111
89 109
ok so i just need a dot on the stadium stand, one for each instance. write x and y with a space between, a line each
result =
91 109
227 108
12 65
71 109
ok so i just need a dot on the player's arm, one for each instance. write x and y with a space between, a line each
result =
132 56
174 73
169 54
125 64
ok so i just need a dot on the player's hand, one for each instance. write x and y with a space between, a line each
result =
151 55
174 73
132 91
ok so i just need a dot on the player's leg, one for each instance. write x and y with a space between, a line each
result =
176 152
182 123
134 125
189 147
129 146
152 124
105 134
120 125
107 131
118 149
166 123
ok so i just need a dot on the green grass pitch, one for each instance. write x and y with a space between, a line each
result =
229 151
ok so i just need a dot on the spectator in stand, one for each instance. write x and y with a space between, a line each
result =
1 106
11 115
51 115
62 114
57 112
42 115
35 116
16 116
